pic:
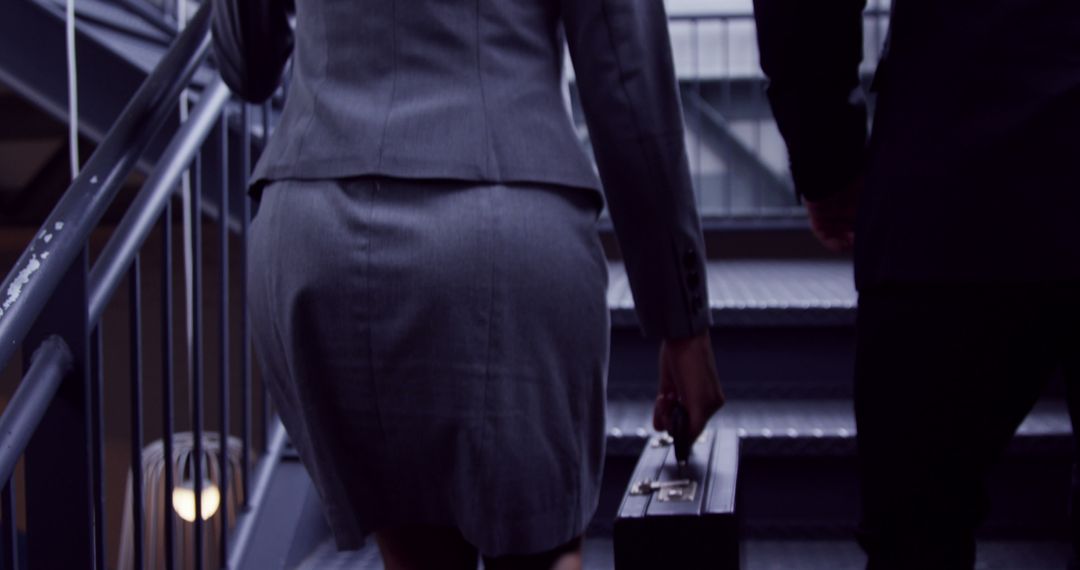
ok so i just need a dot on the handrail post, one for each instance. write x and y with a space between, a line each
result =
59 511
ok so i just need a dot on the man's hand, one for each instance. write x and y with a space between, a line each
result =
833 219
688 376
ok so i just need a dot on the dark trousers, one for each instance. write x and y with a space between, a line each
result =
944 376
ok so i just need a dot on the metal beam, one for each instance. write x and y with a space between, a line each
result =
33 60
713 130
121 19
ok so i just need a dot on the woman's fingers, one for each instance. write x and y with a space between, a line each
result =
688 376
662 411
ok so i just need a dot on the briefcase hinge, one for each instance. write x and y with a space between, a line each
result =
681 490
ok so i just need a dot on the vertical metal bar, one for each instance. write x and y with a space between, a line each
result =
759 106
265 399
197 358
135 328
10 528
223 378
59 503
698 187
266 108
265 393
729 191
167 380
878 12
97 449
245 331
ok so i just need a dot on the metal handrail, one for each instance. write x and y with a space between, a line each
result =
64 234
50 282
49 364
245 523
51 278
145 210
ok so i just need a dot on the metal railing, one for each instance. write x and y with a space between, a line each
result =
738 160
52 303
52 306
737 157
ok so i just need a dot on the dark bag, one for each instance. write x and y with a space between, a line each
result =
681 518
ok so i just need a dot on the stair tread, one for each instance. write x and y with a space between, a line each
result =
805 418
757 554
760 291
844 555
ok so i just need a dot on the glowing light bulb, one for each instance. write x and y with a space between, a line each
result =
183 500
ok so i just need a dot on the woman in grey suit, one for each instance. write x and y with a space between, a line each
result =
428 291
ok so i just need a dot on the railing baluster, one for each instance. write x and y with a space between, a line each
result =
223 384
65 461
10 526
245 331
266 108
266 417
758 104
97 445
264 392
167 380
93 191
699 190
135 329
197 357
59 503
877 10
729 191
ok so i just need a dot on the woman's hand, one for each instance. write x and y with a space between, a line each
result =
688 376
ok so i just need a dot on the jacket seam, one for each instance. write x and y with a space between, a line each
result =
393 83
489 149
315 90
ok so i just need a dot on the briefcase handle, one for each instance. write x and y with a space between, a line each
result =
680 433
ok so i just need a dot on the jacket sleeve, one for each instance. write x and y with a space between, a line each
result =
252 42
625 75
810 52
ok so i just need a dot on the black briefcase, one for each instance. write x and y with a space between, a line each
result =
681 518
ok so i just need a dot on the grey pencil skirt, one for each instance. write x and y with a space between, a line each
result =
437 352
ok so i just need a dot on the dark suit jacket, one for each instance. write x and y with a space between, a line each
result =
972 172
473 91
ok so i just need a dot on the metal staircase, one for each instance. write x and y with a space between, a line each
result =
783 335
783 313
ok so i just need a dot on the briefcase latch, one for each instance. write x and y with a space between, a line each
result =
679 490
662 440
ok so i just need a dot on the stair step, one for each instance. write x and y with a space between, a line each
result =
798 475
815 427
757 555
784 339
782 328
761 292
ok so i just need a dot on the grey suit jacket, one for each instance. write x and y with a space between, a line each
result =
471 90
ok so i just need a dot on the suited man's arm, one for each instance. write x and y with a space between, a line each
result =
252 41
810 51
625 75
